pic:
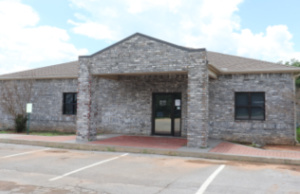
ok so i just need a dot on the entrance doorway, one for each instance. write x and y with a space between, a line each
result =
166 119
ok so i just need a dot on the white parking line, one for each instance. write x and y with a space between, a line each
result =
24 153
86 167
210 179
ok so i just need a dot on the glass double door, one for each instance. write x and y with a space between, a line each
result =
166 114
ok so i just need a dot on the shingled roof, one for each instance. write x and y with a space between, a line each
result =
63 70
218 63
229 64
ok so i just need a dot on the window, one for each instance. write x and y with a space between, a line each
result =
250 106
69 103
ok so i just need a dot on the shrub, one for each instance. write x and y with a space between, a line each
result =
20 123
258 142
298 134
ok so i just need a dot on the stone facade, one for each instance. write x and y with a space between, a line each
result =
115 87
278 127
47 100
125 105
141 55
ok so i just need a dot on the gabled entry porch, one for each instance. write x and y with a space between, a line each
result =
140 104
116 87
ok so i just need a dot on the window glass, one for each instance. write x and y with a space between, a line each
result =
74 109
241 99
69 103
242 113
257 113
75 98
69 98
250 106
68 109
257 99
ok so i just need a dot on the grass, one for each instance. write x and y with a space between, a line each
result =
42 133
50 133
298 134
4 131
110 149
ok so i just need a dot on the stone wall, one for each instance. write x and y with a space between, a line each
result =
47 100
298 107
125 105
278 127
140 54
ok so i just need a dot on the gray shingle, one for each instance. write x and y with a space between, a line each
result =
225 64
228 64
63 70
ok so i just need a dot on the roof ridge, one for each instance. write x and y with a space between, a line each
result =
145 36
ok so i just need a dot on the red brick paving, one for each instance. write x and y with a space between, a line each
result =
236 149
144 142
283 147
175 143
46 138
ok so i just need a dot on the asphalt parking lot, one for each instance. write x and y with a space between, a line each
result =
31 169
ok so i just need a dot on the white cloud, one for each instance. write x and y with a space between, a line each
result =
276 43
94 30
11 19
138 6
25 44
212 24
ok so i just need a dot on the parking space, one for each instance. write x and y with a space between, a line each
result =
8 150
44 170
249 178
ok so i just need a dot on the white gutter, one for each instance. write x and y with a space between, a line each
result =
212 74
226 71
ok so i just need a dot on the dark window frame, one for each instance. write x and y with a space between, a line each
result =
73 103
249 106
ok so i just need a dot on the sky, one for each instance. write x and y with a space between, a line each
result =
38 33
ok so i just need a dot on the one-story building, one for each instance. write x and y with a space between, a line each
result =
145 86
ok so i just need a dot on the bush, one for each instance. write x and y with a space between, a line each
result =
258 142
298 134
20 123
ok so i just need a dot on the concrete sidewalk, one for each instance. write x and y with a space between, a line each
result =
166 146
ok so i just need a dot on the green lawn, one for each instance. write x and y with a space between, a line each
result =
4 132
42 133
50 133
298 134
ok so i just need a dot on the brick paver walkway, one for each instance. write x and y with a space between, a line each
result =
144 142
46 138
236 149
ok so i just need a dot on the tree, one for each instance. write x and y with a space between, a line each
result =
15 94
295 63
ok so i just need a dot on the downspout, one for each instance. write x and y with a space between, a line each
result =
295 110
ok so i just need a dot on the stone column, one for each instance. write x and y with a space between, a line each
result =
197 104
84 133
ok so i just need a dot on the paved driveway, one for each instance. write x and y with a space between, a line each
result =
29 169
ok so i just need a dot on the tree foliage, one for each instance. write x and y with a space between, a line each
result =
295 63
15 94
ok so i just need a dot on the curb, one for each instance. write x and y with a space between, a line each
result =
109 148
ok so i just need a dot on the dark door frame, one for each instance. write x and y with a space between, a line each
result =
172 113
